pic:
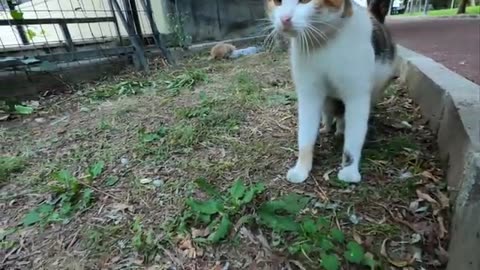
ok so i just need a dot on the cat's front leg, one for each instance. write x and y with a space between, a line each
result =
310 103
357 110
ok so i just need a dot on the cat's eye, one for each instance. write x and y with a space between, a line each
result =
277 2
304 1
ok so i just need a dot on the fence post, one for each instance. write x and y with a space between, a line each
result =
20 29
117 28
68 37
140 60
147 5
136 20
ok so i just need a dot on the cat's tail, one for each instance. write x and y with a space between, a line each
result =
379 9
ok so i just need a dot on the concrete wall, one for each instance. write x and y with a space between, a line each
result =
210 20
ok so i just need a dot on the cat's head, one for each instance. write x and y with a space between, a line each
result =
291 17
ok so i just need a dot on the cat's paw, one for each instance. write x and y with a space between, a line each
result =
297 175
349 174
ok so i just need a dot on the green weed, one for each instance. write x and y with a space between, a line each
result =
124 88
298 232
217 214
247 88
309 236
143 241
100 239
213 116
9 165
187 79
70 196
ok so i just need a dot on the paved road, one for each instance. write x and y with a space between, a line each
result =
453 42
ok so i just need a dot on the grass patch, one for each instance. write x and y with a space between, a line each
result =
70 195
124 88
143 209
185 79
446 12
297 231
10 165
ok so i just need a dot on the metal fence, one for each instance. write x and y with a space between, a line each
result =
48 35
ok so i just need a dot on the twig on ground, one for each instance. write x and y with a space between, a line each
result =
410 226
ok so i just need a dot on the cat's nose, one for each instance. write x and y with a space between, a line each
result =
286 20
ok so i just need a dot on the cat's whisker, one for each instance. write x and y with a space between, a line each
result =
269 40
319 32
326 24
305 42
319 42
311 43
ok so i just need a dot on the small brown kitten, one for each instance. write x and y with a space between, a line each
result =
221 51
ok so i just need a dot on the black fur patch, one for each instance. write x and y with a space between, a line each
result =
382 42
347 159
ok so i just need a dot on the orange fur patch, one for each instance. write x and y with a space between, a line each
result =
270 6
336 4
221 51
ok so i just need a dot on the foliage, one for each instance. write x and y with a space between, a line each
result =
16 14
123 88
70 196
9 165
306 235
143 241
21 109
309 236
217 213
180 36
474 10
187 79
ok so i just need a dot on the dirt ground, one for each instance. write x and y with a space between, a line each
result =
113 176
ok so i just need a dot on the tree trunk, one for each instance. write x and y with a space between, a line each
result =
462 8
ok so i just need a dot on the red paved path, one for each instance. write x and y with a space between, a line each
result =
453 42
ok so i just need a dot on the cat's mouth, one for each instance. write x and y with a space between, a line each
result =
289 31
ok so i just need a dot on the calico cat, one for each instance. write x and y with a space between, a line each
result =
342 59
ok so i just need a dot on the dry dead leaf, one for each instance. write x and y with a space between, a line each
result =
121 207
443 231
200 232
396 263
442 254
444 200
426 197
357 238
326 176
217 266
430 176
185 244
248 234
188 249
4 117
372 220
297 264
145 181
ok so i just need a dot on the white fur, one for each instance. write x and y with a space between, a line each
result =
348 63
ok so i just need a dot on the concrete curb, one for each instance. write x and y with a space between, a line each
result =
427 17
451 103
